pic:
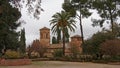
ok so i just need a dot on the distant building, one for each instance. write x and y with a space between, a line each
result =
45 40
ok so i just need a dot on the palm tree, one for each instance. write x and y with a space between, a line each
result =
63 22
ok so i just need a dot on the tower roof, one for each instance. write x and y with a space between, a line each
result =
76 36
44 28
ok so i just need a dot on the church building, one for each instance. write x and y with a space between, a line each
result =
45 40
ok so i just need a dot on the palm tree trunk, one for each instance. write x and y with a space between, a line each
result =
63 43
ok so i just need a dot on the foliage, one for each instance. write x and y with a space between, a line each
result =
108 10
86 58
116 29
33 6
12 54
58 53
37 47
54 40
8 25
68 7
22 41
110 47
92 45
63 22
29 51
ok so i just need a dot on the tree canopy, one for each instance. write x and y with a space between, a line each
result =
108 10
33 6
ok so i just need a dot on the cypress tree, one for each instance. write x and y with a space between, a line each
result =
22 41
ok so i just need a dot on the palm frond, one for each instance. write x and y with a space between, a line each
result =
62 22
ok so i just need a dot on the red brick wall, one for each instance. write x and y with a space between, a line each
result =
15 62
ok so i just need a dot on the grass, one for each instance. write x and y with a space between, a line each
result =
41 63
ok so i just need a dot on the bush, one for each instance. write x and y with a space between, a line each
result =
110 47
106 57
22 55
58 53
12 54
86 58
0 55
115 59
69 58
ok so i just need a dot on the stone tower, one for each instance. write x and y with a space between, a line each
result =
76 41
45 36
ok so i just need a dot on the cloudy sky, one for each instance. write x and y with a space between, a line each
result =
32 25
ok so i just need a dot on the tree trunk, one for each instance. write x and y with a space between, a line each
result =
81 29
63 43
111 18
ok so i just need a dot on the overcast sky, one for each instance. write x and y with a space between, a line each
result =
32 25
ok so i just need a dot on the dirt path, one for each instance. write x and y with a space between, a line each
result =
60 64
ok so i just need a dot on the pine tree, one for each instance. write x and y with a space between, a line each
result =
78 9
108 10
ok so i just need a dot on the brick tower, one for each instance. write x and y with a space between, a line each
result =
45 36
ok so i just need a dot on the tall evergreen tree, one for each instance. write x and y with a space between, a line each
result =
54 40
78 9
22 41
8 24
